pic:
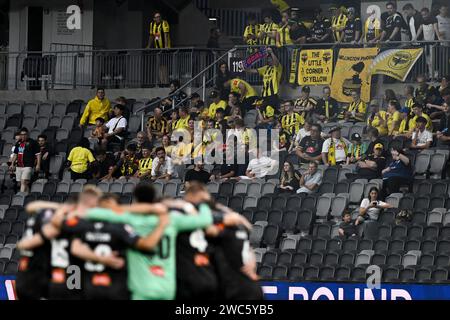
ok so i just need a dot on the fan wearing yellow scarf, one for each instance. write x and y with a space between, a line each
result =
335 149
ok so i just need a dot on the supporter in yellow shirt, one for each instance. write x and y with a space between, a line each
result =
217 103
80 157
417 109
252 31
271 74
183 121
356 110
377 118
283 36
159 33
393 118
246 92
268 32
145 163
403 129
99 107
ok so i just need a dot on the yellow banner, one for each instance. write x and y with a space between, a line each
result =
395 63
352 73
315 67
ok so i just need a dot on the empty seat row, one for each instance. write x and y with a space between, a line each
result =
354 274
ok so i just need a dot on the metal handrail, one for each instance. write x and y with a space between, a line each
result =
109 50
181 88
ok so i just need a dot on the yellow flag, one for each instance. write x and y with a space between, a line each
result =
351 72
315 67
395 63
281 5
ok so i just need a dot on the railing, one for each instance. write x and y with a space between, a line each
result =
130 68
144 68
207 76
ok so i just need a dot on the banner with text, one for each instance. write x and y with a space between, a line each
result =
395 63
352 73
315 67
353 291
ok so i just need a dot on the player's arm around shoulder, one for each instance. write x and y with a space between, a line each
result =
184 222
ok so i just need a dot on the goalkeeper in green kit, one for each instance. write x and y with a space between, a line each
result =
152 275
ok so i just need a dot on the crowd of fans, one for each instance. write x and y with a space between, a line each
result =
344 26
235 113
170 142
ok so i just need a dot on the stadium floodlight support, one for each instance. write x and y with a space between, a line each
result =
201 73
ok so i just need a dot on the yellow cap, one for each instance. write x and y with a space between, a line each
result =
378 146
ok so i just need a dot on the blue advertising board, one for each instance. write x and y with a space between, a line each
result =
317 291
353 291
7 291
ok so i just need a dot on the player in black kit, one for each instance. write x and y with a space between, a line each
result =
235 261
96 240
33 276
197 276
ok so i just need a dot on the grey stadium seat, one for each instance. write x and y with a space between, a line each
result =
323 206
46 108
421 165
437 164
240 188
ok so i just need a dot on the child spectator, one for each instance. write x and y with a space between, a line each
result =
99 130
347 227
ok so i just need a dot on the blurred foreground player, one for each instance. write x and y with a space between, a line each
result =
94 241
153 276
234 260
33 276
59 242
224 257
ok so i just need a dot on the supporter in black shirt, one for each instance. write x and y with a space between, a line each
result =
46 153
391 24
197 174
321 29
370 167
373 136
353 27
102 166
298 33
426 93
327 108
443 134
310 148
413 20
180 97
347 227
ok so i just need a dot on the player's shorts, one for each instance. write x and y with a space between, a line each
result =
118 290
61 292
202 287
23 173
31 286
